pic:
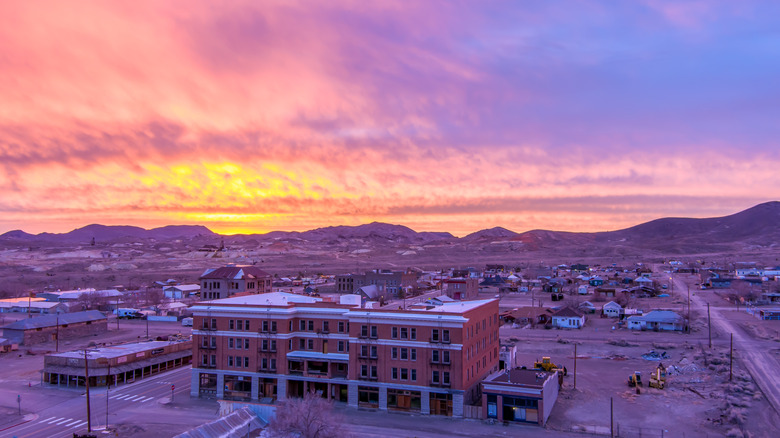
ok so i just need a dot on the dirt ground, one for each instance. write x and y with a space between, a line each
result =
699 400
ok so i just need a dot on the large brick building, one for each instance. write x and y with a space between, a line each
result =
429 360
231 280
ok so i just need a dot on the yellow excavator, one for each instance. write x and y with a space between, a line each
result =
658 377
547 365
635 379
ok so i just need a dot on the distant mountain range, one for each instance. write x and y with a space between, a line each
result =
758 226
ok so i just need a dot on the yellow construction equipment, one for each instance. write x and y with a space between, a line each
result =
635 379
547 365
658 377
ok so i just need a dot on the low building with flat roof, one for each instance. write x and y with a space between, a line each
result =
116 364
48 328
520 395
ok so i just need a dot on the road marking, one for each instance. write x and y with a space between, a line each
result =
81 423
134 398
65 420
147 399
123 396
71 423
50 418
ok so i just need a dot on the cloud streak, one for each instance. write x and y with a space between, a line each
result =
441 116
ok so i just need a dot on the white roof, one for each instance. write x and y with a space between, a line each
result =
184 287
270 299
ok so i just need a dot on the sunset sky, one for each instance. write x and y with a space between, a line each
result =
441 116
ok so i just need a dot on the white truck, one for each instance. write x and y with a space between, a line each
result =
128 313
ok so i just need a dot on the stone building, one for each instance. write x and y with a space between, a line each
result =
49 328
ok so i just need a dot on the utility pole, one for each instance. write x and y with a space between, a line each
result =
611 419
575 366
86 383
731 354
709 324
108 388
689 308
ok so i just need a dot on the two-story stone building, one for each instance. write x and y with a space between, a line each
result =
231 280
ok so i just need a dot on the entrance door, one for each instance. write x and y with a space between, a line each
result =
325 346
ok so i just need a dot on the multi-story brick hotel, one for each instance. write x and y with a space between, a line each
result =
277 345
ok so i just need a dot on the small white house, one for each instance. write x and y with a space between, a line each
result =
582 289
656 320
181 291
567 317
611 309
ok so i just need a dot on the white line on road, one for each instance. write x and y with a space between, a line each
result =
146 399
134 398
50 418
65 420
71 423
79 424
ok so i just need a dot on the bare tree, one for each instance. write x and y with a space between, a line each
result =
309 417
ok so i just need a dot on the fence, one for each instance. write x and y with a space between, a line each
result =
625 431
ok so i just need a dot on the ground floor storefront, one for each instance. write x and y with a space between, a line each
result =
247 386
106 375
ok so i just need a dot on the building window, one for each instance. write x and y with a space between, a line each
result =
265 326
325 326
374 332
311 344
273 345
302 344
446 336
289 345
435 356
404 354
404 332
273 326
394 353
446 356
364 331
246 344
394 333
413 334
264 363
341 346
264 345
404 374
213 360
414 375
413 353
364 371
446 378
435 335
373 372
302 325
231 324
246 362
395 373
311 325
341 326
273 364
435 376
230 342
373 351
239 324
230 361
291 326
364 351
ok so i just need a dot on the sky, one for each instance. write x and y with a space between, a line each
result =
442 116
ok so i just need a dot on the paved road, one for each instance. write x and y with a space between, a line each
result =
64 419
754 354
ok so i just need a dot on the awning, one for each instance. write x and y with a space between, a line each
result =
103 370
